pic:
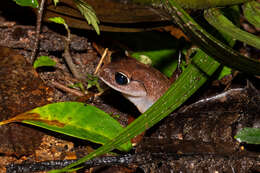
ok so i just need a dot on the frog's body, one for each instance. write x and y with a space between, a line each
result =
139 83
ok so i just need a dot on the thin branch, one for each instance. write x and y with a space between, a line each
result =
38 30
101 61
57 164
67 89
68 58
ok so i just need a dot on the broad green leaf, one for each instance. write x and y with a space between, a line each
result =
74 119
44 61
252 13
249 135
27 3
88 12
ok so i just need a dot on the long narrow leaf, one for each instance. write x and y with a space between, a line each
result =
221 23
252 13
197 4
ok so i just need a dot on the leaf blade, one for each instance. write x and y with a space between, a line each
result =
249 135
221 23
44 61
89 13
27 3
74 119
252 12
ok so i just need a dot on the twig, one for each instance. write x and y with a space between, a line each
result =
57 164
68 58
67 89
38 30
101 61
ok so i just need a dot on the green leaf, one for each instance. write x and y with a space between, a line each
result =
211 45
249 135
58 20
93 81
78 85
221 23
88 12
44 61
56 2
224 72
194 4
143 58
74 119
27 3
252 13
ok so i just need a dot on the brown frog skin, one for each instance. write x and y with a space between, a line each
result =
139 83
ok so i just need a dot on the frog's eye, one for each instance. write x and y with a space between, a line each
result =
121 78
